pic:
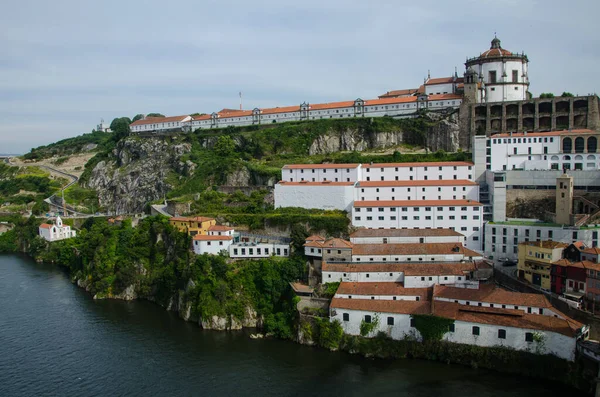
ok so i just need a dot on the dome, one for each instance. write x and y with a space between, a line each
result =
495 50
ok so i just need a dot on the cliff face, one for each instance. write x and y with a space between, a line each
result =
442 134
138 173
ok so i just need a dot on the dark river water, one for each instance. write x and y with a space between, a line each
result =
56 340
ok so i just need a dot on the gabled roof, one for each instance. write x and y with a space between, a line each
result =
414 249
382 306
592 250
204 237
219 228
337 243
409 269
46 226
383 289
546 244
399 93
491 294
315 237
444 80
156 120
506 317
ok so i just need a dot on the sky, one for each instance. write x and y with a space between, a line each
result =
67 64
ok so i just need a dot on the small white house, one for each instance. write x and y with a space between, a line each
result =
211 244
55 232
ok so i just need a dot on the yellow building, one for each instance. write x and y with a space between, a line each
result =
192 225
535 261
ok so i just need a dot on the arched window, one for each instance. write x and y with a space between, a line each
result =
579 145
566 158
567 145
592 144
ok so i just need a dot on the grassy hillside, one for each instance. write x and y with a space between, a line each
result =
26 188
96 140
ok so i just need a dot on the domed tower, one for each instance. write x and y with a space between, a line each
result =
502 74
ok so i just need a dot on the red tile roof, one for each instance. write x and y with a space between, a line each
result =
315 237
417 203
404 233
443 182
383 289
492 294
592 250
444 80
332 105
495 52
409 269
423 164
382 306
547 244
505 317
46 226
219 228
337 243
157 120
277 110
318 166
443 97
190 219
414 249
204 237
399 93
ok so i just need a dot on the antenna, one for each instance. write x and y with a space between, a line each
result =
240 100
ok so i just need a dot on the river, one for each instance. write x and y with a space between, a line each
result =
56 340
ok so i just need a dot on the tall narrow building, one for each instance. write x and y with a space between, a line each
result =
564 199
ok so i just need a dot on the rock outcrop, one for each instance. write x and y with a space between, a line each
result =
138 174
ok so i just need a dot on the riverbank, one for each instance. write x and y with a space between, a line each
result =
56 340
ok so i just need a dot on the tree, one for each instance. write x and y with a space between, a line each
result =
546 95
123 120
120 127
137 117
155 115
567 95
225 146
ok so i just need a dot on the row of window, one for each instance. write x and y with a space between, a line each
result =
416 218
416 209
259 251
425 178
440 168
522 140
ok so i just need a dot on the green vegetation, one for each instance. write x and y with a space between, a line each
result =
431 328
546 95
567 95
86 200
156 259
26 188
72 146
366 328
329 289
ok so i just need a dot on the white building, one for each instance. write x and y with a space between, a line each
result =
417 190
503 238
211 244
324 195
497 75
157 124
321 173
417 252
55 232
425 171
423 214
257 250
380 291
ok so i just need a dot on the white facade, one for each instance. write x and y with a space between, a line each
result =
160 123
56 232
432 171
212 245
322 195
462 216
502 239
554 343
390 238
417 190
258 250
321 173
401 328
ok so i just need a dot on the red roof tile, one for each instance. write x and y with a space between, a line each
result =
444 80
409 269
46 226
383 289
204 237
399 93
324 183
491 294
157 120
423 164
318 166
413 249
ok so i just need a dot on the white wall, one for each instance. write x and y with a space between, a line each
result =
507 247
447 217
407 240
516 152
526 309
257 250
380 297
412 258
414 171
430 281
555 343
334 276
447 88
212 247
343 173
417 192
399 330
327 197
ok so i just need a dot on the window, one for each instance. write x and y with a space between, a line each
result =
501 334
346 317
528 337
412 322
367 319
451 328
390 321
475 330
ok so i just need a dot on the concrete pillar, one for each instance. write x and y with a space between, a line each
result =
571 116
553 116
536 116
488 119
520 117
503 121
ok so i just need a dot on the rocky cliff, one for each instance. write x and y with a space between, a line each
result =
137 173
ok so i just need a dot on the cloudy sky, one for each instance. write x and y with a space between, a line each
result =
66 64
